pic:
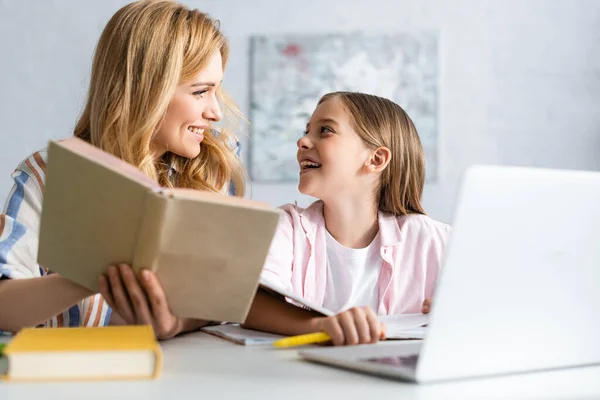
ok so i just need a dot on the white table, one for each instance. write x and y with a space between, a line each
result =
202 366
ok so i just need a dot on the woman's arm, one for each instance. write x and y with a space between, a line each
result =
26 298
30 302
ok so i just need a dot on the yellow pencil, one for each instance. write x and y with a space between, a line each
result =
301 340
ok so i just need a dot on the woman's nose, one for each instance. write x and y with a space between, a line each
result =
213 112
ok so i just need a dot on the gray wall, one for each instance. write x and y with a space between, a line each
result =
519 84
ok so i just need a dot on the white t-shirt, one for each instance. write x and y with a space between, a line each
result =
352 276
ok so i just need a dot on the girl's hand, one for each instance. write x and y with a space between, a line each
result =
140 300
427 305
358 325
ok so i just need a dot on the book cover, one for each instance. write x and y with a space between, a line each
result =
123 352
207 249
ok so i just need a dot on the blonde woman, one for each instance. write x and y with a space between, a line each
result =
153 99
366 248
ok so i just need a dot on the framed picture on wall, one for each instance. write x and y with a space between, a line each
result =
289 73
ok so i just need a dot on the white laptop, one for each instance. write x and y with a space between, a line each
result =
520 284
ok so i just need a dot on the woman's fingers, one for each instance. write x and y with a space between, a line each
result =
164 320
137 296
120 298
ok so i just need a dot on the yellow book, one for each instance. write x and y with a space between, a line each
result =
120 352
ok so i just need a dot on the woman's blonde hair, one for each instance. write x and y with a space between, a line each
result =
382 123
147 48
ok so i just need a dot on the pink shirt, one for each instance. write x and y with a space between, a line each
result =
412 248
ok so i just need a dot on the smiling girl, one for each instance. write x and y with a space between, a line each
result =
366 247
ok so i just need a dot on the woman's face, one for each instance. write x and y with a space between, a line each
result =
191 110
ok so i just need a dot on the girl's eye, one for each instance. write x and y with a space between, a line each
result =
200 93
322 130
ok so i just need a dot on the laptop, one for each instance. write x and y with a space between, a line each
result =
519 289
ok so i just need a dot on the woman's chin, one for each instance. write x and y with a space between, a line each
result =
188 151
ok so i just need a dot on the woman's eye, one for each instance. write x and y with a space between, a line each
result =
200 93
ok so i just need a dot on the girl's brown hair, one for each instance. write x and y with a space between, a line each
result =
382 123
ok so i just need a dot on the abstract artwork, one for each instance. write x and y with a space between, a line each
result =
290 73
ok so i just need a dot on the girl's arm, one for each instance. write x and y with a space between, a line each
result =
271 314
358 325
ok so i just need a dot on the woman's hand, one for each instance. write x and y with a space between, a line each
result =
141 300
358 325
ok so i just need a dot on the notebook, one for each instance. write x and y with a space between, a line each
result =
236 334
405 327
207 249
123 352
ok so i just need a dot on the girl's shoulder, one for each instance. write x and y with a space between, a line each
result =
314 210
424 221
309 218
423 228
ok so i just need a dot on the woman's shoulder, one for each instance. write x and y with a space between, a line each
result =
34 166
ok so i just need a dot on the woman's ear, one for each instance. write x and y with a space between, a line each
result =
379 160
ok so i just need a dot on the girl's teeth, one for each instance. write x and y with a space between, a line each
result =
306 164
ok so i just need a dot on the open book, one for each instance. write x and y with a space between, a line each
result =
207 249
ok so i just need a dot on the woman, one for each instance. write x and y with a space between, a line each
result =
154 96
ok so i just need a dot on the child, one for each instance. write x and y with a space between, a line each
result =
153 98
366 248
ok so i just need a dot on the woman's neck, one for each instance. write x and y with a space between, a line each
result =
352 222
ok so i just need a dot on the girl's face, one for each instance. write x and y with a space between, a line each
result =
331 155
191 110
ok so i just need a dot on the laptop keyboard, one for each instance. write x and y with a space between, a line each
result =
409 361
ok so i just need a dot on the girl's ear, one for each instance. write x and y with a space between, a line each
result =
379 160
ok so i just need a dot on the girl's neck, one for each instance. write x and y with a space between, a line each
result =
352 222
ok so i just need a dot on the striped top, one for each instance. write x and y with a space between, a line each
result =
19 237
19 231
